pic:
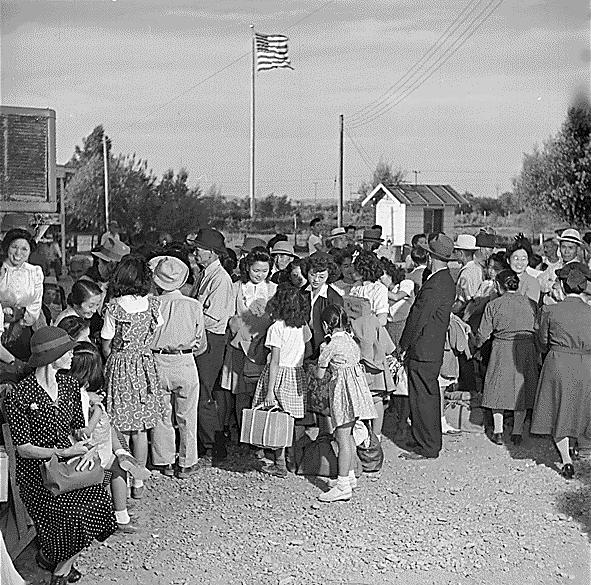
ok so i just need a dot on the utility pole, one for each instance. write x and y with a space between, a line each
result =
315 192
252 182
417 173
341 178
106 175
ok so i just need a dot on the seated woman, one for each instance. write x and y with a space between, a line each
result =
43 410
21 291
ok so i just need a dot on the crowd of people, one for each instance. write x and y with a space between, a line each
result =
148 358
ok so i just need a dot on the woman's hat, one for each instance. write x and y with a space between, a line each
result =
210 239
250 243
283 248
336 232
169 272
441 246
111 251
571 235
47 345
372 235
466 242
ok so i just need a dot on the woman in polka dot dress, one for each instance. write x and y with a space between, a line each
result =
134 393
43 410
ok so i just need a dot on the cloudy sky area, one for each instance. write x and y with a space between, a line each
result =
121 64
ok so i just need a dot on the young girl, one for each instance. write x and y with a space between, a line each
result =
76 327
134 393
87 368
350 398
283 382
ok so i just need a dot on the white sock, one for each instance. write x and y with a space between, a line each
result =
137 483
122 516
352 479
343 483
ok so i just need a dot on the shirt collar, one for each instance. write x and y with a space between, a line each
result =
436 271
323 290
213 267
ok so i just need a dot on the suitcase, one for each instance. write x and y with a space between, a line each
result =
270 429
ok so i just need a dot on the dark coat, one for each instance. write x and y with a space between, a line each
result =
424 334
332 298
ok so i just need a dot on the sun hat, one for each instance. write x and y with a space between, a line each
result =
283 248
336 232
372 235
210 239
169 272
466 242
250 243
47 345
441 246
571 235
111 251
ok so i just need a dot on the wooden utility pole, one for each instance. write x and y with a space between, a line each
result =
106 174
341 178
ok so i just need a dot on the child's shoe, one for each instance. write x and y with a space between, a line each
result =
129 463
341 492
352 482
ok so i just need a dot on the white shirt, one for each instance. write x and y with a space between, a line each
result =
291 342
376 293
399 310
312 241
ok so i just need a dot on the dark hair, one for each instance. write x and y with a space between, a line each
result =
508 279
319 262
276 238
315 221
415 239
396 273
343 253
335 317
229 261
289 305
499 260
535 260
131 277
351 227
257 254
17 234
87 366
368 266
587 238
518 246
82 290
73 325
296 263
419 255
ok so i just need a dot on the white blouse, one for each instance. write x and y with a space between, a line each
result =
22 288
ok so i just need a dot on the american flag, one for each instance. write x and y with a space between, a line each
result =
272 52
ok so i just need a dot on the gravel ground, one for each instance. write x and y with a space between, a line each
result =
480 514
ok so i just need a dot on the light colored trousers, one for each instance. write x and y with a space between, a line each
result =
180 382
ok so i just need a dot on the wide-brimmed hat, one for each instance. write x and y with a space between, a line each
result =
372 235
250 243
210 239
111 251
441 246
466 242
47 345
571 235
283 248
336 233
169 272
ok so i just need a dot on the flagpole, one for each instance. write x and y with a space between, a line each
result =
341 164
252 126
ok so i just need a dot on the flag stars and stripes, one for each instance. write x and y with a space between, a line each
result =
271 52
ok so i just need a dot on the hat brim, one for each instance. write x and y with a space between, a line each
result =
373 240
202 246
438 256
571 240
44 358
101 255
467 248
284 252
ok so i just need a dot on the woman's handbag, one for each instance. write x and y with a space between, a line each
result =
319 458
270 429
398 371
62 477
371 455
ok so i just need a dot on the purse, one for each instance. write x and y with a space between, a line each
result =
463 411
270 429
61 477
319 458
372 455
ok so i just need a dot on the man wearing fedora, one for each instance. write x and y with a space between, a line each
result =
181 337
372 238
214 291
282 254
422 343
337 239
570 245
471 275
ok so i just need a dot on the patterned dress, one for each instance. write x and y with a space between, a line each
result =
349 395
68 523
134 392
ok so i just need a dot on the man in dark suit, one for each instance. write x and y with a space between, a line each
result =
422 342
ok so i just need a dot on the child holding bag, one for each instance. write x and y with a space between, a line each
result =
349 395
283 381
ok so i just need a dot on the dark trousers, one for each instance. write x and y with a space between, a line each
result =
209 366
425 409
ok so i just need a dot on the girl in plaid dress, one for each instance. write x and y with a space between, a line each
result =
283 381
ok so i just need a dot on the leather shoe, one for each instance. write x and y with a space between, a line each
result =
167 470
497 438
137 493
186 472
516 439
275 470
568 471
414 456
128 528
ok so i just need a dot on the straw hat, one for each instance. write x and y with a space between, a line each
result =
47 345
283 248
169 272
441 246
571 235
336 232
466 242
111 251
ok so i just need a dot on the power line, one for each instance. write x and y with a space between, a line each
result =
475 24
460 19
218 71
367 164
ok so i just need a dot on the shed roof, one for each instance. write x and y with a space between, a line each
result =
418 195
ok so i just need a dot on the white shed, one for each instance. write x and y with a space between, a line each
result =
405 210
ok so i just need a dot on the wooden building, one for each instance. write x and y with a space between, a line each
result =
405 210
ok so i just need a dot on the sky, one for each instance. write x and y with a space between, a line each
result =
149 72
